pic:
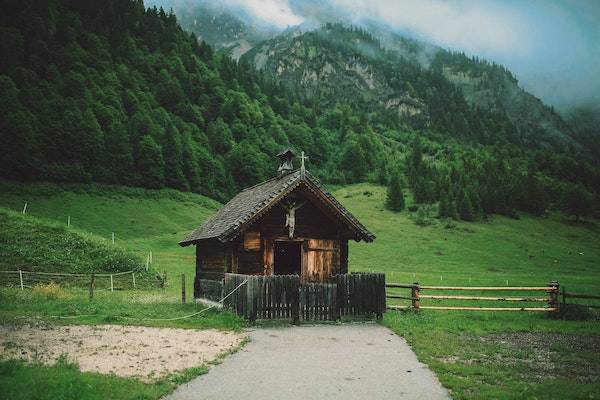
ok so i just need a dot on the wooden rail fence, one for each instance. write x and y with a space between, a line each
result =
416 296
284 296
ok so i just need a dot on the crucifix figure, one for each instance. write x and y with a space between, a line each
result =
290 207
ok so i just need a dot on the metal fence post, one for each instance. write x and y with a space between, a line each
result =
133 278
112 286
21 278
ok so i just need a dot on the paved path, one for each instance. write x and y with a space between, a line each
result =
352 361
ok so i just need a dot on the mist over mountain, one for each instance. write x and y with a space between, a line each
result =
551 47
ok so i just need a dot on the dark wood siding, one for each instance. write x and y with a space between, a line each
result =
249 258
212 259
311 222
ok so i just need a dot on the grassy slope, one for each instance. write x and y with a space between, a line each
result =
143 220
525 251
40 245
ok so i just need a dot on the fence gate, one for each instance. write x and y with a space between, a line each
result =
284 296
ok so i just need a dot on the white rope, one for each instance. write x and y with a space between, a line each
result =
194 314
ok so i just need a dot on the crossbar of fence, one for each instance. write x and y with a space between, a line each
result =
416 297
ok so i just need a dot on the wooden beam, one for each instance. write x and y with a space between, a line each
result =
495 288
391 296
399 285
448 297
543 309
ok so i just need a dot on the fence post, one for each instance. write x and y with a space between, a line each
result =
112 287
92 284
553 295
415 295
133 278
250 307
296 301
183 288
21 278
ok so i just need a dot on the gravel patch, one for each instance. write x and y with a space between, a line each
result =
127 351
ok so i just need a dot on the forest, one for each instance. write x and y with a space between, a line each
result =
122 94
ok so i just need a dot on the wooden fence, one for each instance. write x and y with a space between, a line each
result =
284 296
550 297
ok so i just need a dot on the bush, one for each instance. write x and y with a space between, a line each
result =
49 291
424 216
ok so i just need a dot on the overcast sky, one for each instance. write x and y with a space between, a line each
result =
553 47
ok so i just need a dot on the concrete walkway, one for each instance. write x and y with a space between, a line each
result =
352 361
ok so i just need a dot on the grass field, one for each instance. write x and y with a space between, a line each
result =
470 351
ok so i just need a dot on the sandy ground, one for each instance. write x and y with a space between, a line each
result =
350 361
128 351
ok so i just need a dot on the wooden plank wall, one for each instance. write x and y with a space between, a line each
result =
284 297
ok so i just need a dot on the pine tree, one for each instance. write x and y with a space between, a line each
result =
452 213
465 208
173 158
444 206
395 197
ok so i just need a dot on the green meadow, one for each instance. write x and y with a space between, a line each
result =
475 354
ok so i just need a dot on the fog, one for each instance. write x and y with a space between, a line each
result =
552 47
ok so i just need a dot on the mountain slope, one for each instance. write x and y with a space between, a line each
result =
121 94
420 83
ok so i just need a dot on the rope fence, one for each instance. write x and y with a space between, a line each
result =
111 282
216 304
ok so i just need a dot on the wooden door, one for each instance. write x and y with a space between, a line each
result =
322 259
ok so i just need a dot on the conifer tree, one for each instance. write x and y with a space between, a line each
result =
452 213
444 206
395 197
173 158
465 208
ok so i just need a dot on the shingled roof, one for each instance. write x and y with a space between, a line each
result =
252 202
